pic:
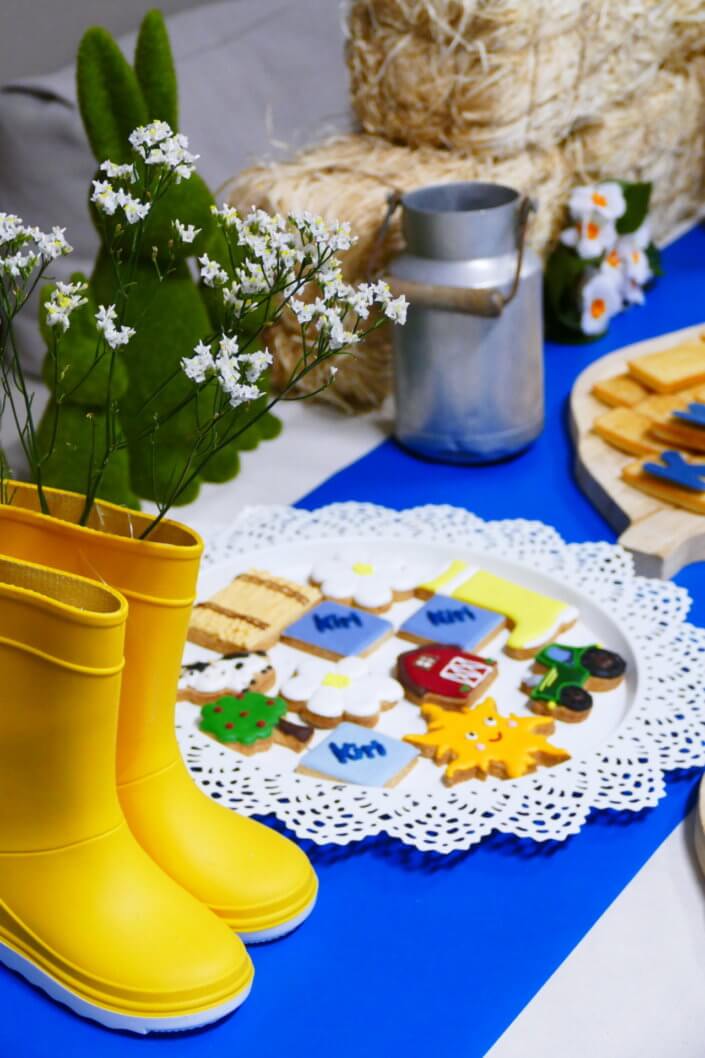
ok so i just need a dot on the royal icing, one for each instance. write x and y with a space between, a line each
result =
443 673
344 689
477 741
446 620
336 631
677 471
568 672
438 585
244 720
293 730
535 618
694 415
234 672
368 581
354 754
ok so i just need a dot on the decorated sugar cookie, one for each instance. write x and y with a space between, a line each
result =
563 676
344 690
453 622
364 580
334 631
250 613
535 619
440 584
675 480
444 675
252 723
357 755
477 741
246 724
204 681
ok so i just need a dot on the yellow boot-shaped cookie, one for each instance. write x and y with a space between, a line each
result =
260 883
85 913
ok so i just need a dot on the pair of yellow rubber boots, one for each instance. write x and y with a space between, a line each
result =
125 892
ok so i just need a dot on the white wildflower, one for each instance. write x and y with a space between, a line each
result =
228 214
186 232
591 237
64 299
53 244
10 227
255 364
601 300
396 309
211 272
119 172
19 265
304 311
105 197
231 297
605 199
632 292
197 366
105 322
636 262
158 144
133 209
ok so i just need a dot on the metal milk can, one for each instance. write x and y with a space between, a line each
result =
469 362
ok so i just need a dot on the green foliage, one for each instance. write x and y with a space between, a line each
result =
79 439
109 96
154 67
637 197
168 310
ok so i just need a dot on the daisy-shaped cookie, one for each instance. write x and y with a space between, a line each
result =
325 695
364 580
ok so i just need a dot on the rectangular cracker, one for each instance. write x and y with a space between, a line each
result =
250 612
635 475
620 391
627 430
671 369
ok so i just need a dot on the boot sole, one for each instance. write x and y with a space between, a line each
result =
261 936
112 1019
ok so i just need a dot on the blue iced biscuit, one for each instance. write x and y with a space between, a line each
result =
335 631
357 755
452 622
676 471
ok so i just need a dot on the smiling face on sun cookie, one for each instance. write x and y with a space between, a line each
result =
478 741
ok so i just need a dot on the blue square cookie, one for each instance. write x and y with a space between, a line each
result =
358 755
452 623
333 631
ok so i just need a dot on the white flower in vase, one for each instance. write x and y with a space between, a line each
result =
601 300
590 237
605 199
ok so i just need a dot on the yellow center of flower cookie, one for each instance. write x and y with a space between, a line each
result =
363 569
337 680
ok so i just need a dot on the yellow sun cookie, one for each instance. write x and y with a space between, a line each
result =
477 741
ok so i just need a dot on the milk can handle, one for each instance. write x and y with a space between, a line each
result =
476 301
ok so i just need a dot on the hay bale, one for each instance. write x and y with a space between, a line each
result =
498 76
350 178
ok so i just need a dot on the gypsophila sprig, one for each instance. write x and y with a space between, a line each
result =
265 266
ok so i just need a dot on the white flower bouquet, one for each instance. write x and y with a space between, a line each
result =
604 260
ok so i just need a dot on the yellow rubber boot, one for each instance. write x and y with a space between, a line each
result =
85 913
257 881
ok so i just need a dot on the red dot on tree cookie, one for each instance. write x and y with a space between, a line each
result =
217 708
230 726
244 713
261 723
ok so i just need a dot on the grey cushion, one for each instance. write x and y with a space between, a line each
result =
256 78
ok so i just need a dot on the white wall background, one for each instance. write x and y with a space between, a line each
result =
39 36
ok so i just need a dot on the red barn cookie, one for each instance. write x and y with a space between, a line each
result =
445 675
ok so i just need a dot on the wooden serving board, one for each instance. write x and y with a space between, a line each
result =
661 537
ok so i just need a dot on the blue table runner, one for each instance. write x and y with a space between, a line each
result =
409 953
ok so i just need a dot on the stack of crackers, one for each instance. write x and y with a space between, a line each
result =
642 419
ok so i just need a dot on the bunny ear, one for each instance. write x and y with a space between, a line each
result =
154 66
109 96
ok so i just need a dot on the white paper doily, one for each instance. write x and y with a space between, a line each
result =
663 730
